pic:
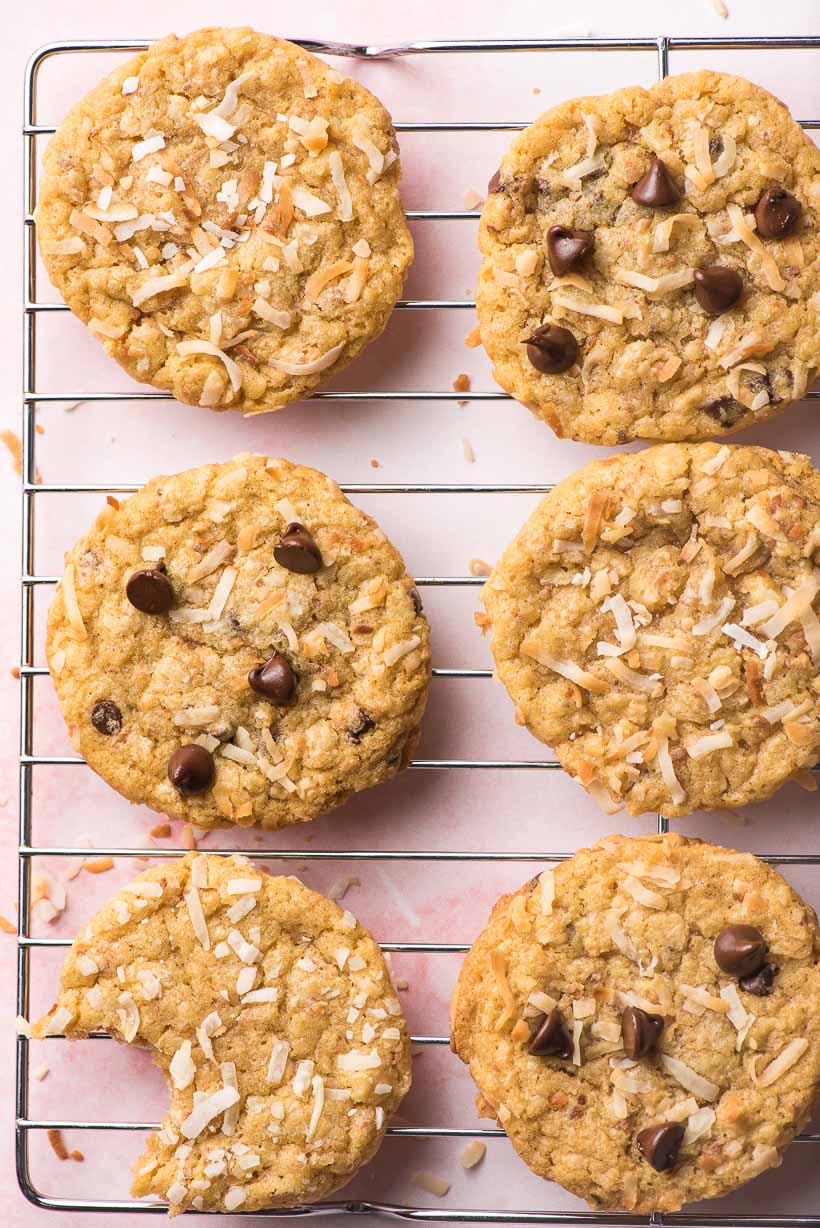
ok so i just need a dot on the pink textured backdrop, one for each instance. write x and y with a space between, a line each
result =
414 442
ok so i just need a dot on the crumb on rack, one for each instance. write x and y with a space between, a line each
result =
536 89
112 502
15 672
6 926
468 450
482 621
473 338
98 865
374 464
40 1072
39 428
479 568
431 1182
720 8
159 830
473 1153
55 1138
462 383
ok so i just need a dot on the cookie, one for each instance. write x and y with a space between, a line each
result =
271 1013
651 262
643 1020
655 622
223 213
239 644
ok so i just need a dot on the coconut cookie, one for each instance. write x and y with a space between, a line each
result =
651 262
223 213
270 1011
643 1020
655 622
239 644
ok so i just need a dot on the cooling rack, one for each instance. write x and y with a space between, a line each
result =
661 49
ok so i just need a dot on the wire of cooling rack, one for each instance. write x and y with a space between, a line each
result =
660 48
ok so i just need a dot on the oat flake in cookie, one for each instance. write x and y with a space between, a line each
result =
655 622
239 644
223 213
270 1011
671 235
628 931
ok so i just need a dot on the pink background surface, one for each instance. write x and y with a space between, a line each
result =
416 442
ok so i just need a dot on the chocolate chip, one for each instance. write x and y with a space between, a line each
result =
552 349
191 769
641 1031
762 983
552 1038
150 591
567 248
725 410
275 679
656 188
297 551
415 597
495 183
659 1145
740 950
777 213
106 717
717 288
363 724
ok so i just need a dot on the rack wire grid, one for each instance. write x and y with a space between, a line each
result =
661 48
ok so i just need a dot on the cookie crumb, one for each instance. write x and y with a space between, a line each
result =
112 502
536 89
55 1138
159 830
98 865
15 446
374 464
479 568
468 450
473 338
6 926
720 8
473 1154
15 672
431 1182
40 1073
462 383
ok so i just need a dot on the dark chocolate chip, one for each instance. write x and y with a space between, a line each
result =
641 1031
363 724
495 183
717 288
552 1038
106 717
191 769
656 188
659 1145
150 591
567 248
777 213
275 679
297 551
725 410
552 349
762 983
740 950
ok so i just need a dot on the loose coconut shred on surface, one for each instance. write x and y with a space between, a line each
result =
276 1097
737 1065
656 623
223 213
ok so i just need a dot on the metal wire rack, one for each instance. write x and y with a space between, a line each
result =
661 49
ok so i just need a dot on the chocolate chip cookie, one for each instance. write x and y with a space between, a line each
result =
223 213
655 622
271 1013
643 1020
239 644
651 262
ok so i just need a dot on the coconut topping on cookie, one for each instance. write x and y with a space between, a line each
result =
229 225
656 622
669 236
279 1092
